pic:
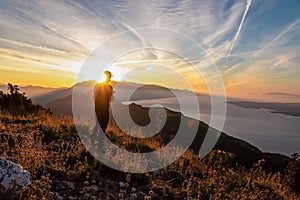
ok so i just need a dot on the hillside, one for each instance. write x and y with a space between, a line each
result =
61 168
246 154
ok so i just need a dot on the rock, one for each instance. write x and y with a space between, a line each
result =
58 197
92 189
54 196
13 177
121 184
64 185
56 147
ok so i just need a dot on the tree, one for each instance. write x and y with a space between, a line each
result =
17 103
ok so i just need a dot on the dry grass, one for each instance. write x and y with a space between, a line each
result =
60 166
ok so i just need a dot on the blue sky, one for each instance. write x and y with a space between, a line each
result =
255 44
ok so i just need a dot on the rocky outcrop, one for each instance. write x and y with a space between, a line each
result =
13 179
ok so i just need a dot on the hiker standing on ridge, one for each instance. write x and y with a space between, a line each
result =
102 96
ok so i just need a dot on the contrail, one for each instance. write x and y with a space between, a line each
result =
291 26
248 4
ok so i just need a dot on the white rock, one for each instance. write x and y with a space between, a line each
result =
93 189
121 184
12 176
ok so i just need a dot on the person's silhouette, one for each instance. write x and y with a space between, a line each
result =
103 97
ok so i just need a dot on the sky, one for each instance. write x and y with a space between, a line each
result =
253 44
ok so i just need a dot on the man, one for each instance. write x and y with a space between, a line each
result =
103 97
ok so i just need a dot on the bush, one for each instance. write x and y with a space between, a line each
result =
16 103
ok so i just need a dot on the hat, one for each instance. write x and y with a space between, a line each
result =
107 73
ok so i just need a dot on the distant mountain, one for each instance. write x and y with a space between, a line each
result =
45 99
57 95
282 94
61 106
59 98
292 109
31 91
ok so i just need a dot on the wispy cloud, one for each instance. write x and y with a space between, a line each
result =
286 30
282 94
248 4
247 40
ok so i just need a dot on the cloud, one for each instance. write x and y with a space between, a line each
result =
12 44
248 4
18 56
285 30
78 27
275 60
281 94
61 34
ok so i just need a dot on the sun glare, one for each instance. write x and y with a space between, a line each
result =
102 79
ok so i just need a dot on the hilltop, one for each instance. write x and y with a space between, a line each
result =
61 167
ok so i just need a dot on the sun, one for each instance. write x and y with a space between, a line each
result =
118 73
102 79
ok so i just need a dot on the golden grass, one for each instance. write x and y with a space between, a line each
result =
49 148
